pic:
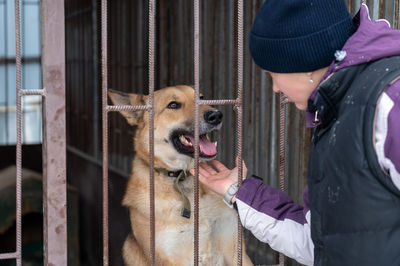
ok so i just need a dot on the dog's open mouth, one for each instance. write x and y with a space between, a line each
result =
184 143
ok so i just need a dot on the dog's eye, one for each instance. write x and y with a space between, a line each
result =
174 105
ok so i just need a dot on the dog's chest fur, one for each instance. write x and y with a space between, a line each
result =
215 219
174 233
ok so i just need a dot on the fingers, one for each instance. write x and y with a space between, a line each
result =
204 170
205 167
219 166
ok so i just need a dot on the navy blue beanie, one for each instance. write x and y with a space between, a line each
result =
299 35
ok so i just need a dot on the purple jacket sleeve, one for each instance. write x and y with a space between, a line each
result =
274 218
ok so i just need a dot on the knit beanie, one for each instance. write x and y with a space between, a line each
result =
291 36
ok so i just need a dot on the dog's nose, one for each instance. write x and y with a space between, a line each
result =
213 117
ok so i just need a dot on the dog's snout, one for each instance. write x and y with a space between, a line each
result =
213 117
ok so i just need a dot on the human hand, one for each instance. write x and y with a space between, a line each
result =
220 178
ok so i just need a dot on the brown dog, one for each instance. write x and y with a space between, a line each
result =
173 148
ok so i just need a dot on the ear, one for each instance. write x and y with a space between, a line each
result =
121 98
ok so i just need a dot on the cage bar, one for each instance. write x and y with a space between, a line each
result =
196 55
104 83
19 128
152 13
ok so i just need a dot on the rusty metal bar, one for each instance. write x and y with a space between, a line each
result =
32 92
104 84
196 130
396 14
152 12
219 102
239 109
118 108
13 255
19 136
54 133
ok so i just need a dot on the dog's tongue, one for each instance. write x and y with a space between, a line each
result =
207 147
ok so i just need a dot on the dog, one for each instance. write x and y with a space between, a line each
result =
173 157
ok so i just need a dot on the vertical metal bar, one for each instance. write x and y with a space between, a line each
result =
152 10
104 83
396 14
196 131
240 114
54 133
19 125
282 151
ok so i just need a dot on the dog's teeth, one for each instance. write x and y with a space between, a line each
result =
185 141
215 143
208 137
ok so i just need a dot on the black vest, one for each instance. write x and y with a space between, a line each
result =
355 207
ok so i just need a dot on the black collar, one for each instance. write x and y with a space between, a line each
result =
179 175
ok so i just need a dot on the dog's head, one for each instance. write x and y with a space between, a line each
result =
173 126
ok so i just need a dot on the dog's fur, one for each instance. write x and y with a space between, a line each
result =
174 233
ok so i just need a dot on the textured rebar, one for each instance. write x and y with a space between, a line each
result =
19 125
396 14
119 108
104 84
152 12
240 115
282 150
219 102
196 38
32 92
5 256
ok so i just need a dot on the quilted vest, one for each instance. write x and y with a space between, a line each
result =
355 207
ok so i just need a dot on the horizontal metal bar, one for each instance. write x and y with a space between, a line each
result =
218 102
12 255
118 108
33 92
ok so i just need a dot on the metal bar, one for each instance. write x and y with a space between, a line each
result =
396 14
152 12
32 92
19 125
118 108
282 151
54 133
240 116
13 255
104 83
196 131
218 102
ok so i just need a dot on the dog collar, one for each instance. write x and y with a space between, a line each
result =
180 176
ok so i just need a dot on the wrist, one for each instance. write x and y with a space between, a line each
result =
230 194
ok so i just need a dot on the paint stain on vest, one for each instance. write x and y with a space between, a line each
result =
333 194
332 136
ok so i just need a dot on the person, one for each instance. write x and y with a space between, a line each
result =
345 73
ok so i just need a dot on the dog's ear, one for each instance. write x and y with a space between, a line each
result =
121 98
